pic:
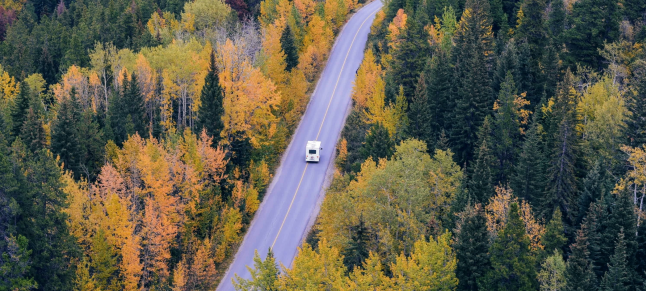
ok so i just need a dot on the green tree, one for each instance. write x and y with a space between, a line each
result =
65 136
378 143
134 104
419 115
578 272
289 48
211 109
506 130
528 181
15 264
472 249
33 133
552 273
264 275
512 261
104 262
356 252
440 81
636 124
410 57
617 277
554 237
481 174
473 59
592 23
597 183
20 109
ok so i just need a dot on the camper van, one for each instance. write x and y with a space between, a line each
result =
312 151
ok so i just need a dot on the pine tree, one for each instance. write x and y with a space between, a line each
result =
357 250
289 48
378 143
473 60
641 252
134 103
532 27
211 109
556 22
65 136
511 259
528 181
506 131
92 147
621 219
579 274
634 10
440 80
481 181
617 277
33 133
419 115
20 109
593 227
554 236
410 57
593 22
636 125
104 262
471 250
264 276
596 183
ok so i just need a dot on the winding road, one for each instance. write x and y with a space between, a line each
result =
285 215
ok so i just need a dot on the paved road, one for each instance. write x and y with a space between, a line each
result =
282 219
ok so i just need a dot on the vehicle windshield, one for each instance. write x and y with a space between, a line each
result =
312 152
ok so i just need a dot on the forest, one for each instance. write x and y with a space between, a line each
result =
492 145
138 137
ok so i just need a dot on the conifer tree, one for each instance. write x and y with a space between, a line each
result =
621 221
20 109
33 133
440 80
593 227
617 277
378 143
481 181
595 184
556 21
531 27
528 182
410 57
506 130
513 265
264 276
212 109
579 274
471 249
554 236
134 103
419 115
357 250
641 251
636 125
65 136
473 60
104 262
289 48
593 22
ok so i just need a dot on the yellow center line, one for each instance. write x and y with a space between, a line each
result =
321 127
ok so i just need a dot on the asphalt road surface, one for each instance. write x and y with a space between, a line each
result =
282 219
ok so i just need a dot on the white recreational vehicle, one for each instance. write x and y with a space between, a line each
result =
312 151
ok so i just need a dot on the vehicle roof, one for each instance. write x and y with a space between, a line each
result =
313 144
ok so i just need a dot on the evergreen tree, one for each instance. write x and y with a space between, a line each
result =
512 261
641 251
91 147
556 21
378 143
419 114
357 250
617 277
554 236
65 135
440 80
264 275
636 125
561 187
240 150
211 109
410 57
593 226
289 48
506 62
471 249
33 133
104 262
579 274
620 220
473 50
506 131
593 22
134 103
596 183
634 10
20 109
531 27
528 182
481 181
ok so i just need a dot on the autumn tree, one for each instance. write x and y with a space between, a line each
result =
264 275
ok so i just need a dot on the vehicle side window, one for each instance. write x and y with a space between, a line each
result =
312 152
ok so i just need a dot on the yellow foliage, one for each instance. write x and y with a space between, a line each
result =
367 77
497 213
395 28
8 86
